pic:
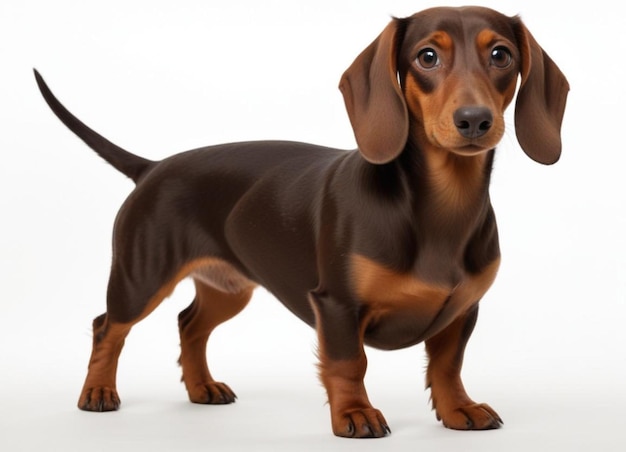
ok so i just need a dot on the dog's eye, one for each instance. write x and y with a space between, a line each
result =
501 57
427 58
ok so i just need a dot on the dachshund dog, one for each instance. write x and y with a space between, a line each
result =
389 245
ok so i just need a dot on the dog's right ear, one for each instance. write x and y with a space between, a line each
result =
374 100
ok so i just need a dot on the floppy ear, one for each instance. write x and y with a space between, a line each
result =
540 101
374 100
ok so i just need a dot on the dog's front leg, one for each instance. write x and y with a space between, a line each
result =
450 401
342 369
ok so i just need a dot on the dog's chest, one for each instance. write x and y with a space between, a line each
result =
403 309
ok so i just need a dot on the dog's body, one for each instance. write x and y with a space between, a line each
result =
389 245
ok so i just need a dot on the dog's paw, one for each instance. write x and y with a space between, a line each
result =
212 393
361 423
478 416
99 399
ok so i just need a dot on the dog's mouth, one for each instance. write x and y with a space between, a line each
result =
449 139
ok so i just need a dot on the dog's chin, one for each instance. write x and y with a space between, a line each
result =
471 150
463 147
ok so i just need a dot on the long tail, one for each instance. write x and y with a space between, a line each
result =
127 163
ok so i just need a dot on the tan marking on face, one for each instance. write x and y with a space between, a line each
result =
434 114
442 40
457 84
485 39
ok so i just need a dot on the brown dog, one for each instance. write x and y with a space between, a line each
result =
389 245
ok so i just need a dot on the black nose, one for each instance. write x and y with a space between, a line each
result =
473 122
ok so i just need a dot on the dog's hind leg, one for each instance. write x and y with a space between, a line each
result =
210 308
129 300
109 333
99 391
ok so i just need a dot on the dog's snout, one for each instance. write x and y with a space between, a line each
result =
473 121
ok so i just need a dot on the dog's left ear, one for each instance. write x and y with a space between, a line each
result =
374 100
540 101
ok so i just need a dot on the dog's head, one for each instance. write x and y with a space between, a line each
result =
443 78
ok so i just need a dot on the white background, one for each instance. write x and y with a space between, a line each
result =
160 77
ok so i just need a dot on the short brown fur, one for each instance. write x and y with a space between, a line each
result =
388 245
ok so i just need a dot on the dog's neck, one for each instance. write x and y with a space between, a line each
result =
456 183
440 184
449 184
